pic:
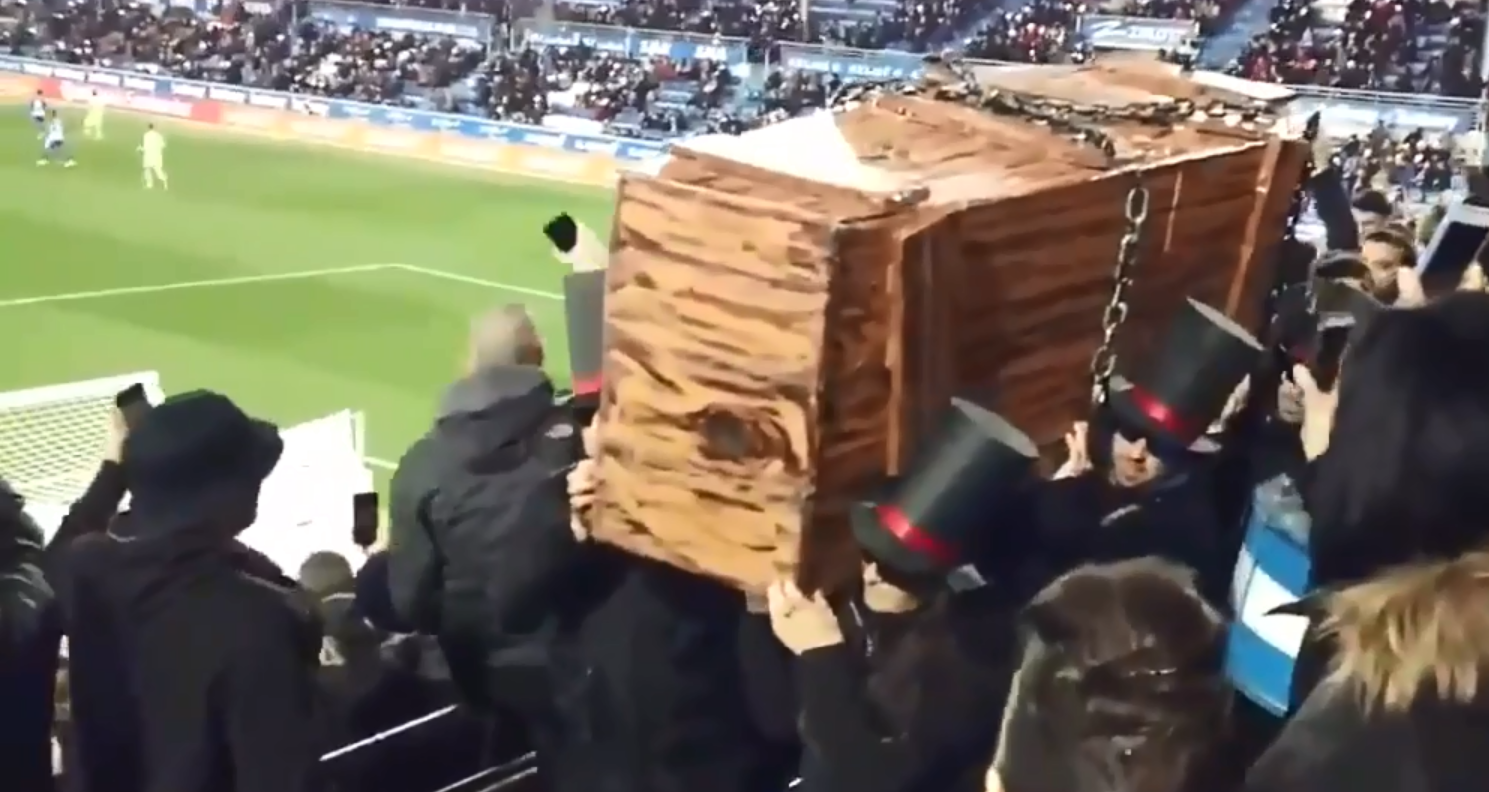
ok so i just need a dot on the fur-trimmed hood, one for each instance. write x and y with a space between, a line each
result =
1420 629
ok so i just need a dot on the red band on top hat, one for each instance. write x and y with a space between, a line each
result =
1161 414
913 537
585 385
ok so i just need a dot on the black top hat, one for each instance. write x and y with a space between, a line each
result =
185 455
1181 390
584 314
958 479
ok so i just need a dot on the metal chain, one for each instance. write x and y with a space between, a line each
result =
1086 124
1081 123
1104 361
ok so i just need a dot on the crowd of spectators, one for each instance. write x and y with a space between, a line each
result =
1036 623
1043 31
1414 166
1408 46
670 675
1405 45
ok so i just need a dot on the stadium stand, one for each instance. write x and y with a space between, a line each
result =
1410 47
654 70
723 67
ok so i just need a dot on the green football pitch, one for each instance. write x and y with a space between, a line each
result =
299 280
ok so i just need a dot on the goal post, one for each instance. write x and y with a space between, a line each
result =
305 505
52 440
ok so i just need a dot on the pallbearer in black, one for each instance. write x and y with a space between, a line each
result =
1144 483
1183 389
900 682
976 464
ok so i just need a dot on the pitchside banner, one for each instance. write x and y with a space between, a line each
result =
848 62
399 19
385 128
631 42
1136 33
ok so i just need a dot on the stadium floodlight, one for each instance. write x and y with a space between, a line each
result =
52 439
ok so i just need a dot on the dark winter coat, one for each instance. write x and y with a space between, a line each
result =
29 639
1086 519
900 705
480 547
1405 708
657 704
221 653
103 754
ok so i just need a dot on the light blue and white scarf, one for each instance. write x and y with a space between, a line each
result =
1273 570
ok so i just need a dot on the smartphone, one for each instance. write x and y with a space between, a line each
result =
133 404
365 519
1456 244
1329 354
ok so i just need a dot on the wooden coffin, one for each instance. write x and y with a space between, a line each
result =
788 311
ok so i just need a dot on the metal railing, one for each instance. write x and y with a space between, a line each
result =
498 774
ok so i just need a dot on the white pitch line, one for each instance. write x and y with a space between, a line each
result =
199 284
474 281
380 463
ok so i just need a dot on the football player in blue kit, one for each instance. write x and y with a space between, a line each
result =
54 143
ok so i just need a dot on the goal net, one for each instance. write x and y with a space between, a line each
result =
52 440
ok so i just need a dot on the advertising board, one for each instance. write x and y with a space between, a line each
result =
315 118
633 42
1346 116
595 168
403 19
1137 33
851 63
12 87
496 154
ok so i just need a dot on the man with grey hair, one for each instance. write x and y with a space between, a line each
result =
504 336
479 543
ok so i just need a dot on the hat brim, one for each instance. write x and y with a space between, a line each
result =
1129 415
885 547
264 447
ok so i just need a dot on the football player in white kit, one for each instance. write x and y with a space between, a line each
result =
93 121
152 148
39 114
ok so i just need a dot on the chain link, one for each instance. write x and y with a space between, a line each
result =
950 81
1104 361
1081 123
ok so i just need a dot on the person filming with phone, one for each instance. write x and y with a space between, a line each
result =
193 659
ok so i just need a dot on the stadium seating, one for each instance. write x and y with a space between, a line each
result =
1419 46
1412 46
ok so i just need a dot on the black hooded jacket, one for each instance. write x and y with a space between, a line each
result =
221 653
479 541
29 635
